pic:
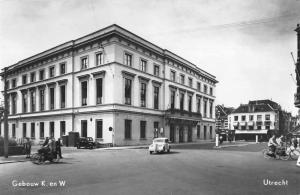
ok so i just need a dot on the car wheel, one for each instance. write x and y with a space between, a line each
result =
151 152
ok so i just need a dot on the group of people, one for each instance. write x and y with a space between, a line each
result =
277 142
49 145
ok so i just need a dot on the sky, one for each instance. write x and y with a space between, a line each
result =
247 45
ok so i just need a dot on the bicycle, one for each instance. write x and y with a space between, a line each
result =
282 153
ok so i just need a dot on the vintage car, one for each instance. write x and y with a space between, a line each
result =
86 142
160 145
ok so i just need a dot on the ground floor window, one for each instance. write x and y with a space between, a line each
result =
210 132
24 129
198 131
84 128
99 129
128 129
62 128
42 133
32 130
13 130
51 129
204 132
156 130
143 129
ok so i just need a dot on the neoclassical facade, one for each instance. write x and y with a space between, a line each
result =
110 78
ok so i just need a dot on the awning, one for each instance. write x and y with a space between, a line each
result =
251 131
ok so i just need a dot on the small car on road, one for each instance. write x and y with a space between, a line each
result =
160 145
86 142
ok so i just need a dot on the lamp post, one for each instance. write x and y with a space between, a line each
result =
218 129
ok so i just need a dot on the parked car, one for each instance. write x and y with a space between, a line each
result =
160 145
86 142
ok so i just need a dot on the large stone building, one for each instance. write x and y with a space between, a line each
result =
110 78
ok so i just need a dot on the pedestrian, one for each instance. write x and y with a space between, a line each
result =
27 147
58 145
52 147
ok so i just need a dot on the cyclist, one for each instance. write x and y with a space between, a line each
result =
272 144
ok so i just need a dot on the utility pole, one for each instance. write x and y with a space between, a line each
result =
5 115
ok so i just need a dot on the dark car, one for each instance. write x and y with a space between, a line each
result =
86 142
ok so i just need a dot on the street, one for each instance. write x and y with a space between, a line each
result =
190 169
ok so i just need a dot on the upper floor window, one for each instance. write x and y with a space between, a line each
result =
172 99
156 97
182 79
143 94
128 59
236 118
259 117
99 59
51 71
51 97
181 98
190 103
250 117
173 75
62 68
32 77
210 91
7 84
42 75
13 83
143 65
267 117
24 79
190 82
205 89
62 96
99 90
84 62
128 86
84 93
156 70
243 117
198 86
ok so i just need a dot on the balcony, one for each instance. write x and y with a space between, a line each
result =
297 100
182 116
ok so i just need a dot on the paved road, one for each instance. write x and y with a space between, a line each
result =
186 170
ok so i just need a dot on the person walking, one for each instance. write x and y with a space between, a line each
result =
27 147
58 145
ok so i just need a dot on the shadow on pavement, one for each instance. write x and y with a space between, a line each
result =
165 153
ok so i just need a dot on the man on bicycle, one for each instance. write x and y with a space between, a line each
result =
272 144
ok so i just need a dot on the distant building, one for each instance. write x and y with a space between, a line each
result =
222 114
258 120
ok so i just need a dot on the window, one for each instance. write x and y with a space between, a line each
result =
84 62
251 117
156 129
42 130
62 96
210 132
62 68
259 117
243 117
99 84
173 75
205 108
259 127
243 127
84 93
198 105
128 129
51 129
236 118
32 99
268 127
24 100
190 103
51 97
250 127
156 97
99 130
42 75
62 128
210 91
128 91
199 86
13 83
128 59
143 94
181 97
42 99
143 129
13 130
172 99
32 130
182 79
13 103
156 70
99 59
51 71
205 132
143 65
190 82
267 116
24 130
32 77
210 109
24 79
198 131
205 88
7 84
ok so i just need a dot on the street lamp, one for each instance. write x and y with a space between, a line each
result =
217 129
